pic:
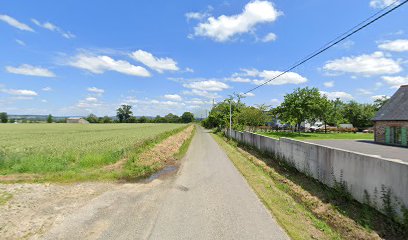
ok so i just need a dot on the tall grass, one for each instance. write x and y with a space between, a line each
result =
53 148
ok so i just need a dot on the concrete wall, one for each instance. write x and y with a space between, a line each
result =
366 177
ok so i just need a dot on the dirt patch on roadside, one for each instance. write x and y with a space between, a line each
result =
163 153
35 207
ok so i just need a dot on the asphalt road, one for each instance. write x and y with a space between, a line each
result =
207 198
367 147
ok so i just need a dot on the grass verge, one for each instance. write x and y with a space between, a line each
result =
320 136
298 222
138 167
349 218
184 147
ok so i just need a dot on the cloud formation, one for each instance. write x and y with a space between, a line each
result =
365 65
395 82
52 27
157 64
399 45
101 64
173 97
30 70
208 85
15 23
224 28
382 3
334 95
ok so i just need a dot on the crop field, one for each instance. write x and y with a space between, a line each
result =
68 150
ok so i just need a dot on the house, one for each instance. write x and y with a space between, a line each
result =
391 121
77 120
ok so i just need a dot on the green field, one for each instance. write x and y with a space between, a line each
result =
67 150
320 136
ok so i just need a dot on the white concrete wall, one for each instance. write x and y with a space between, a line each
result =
359 172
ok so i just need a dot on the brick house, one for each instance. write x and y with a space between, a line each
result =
391 121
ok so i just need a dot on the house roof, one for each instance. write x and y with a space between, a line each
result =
396 108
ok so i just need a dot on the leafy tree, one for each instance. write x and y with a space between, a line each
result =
106 119
360 115
124 113
301 105
3 117
49 118
251 117
143 119
159 119
187 117
171 118
132 119
220 113
92 118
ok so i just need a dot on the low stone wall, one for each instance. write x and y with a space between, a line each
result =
379 182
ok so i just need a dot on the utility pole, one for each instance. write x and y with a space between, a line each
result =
230 127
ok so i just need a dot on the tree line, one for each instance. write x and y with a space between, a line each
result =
124 114
302 105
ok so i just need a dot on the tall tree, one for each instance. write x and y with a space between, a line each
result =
250 117
49 118
301 105
92 118
124 113
187 117
379 102
3 117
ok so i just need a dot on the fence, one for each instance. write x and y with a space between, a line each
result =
379 182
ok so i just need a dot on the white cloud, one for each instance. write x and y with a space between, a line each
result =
101 64
95 90
239 79
13 22
395 82
157 64
270 37
52 27
377 97
275 101
20 92
329 84
173 97
91 99
47 89
44 101
366 65
208 85
334 95
382 3
20 42
30 70
288 78
223 28
247 94
399 45
196 15
200 93
189 70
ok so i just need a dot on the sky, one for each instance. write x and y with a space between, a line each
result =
73 58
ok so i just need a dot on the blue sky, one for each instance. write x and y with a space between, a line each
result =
79 57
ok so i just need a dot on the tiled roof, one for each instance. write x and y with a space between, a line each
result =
396 108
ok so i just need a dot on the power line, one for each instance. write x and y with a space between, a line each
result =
337 40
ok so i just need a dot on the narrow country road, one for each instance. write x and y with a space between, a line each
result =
206 199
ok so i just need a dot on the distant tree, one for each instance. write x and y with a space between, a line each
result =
142 119
3 117
187 117
301 105
132 119
49 118
159 119
124 113
106 119
360 115
250 117
92 118
171 118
